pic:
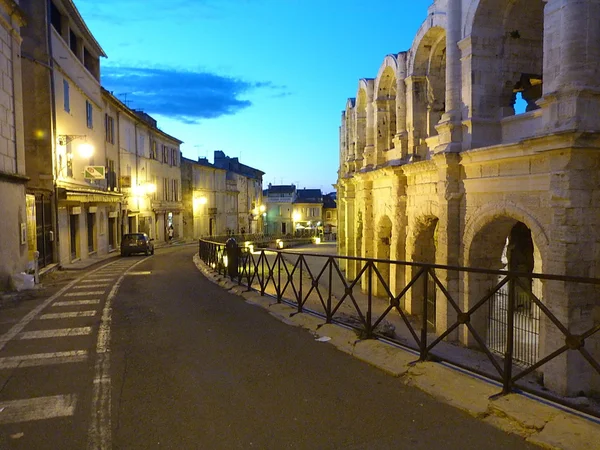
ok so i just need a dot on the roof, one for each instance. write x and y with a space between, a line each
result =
329 201
137 114
280 189
309 196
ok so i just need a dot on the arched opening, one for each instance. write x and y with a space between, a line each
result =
349 137
506 244
360 129
424 251
386 112
508 37
384 238
427 85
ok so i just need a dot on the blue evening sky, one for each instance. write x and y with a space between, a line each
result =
263 80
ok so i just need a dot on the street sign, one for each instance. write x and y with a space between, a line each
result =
94 172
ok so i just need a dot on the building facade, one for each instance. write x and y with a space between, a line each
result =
279 219
330 216
248 184
65 135
149 171
16 231
479 146
221 198
307 212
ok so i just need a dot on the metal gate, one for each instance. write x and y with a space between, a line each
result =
43 229
526 326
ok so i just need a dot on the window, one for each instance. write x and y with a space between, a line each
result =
329 214
109 125
175 194
280 210
165 155
66 96
55 18
153 154
89 114
73 42
165 189
111 175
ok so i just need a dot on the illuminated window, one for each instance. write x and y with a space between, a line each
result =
66 99
89 114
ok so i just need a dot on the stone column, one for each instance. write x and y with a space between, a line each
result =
368 228
399 225
450 127
448 237
401 138
574 251
571 65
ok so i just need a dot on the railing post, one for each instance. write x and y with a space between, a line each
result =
423 355
329 293
510 335
279 257
299 300
369 330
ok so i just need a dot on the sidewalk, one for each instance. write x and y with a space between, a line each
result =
537 420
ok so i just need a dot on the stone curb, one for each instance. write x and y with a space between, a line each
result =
539 423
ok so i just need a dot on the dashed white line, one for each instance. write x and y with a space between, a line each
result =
60 332
97 280
93 301
43 359
100 430
89 286
77 294
39 408
68 315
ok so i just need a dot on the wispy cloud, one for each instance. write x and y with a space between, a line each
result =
188 96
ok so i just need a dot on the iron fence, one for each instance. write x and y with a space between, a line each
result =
502 322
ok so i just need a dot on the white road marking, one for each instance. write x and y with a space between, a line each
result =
59 332
99 432
68 315
39 408
43 359
16 329
143 272
89 286
75 294
93 301
96 280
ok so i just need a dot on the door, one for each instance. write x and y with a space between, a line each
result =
43 229
73 226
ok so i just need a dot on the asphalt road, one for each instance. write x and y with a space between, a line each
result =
195 367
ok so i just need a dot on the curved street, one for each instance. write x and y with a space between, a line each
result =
188 365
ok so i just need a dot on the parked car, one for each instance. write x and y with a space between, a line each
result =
136 243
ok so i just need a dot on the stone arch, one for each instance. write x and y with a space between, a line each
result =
349 137
488 213
383 251
364 96
507 45
385 106
426 86
487 236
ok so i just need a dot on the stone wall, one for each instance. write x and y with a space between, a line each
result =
465 166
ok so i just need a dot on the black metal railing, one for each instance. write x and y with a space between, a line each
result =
496 321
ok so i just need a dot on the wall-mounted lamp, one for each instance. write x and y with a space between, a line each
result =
64 139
